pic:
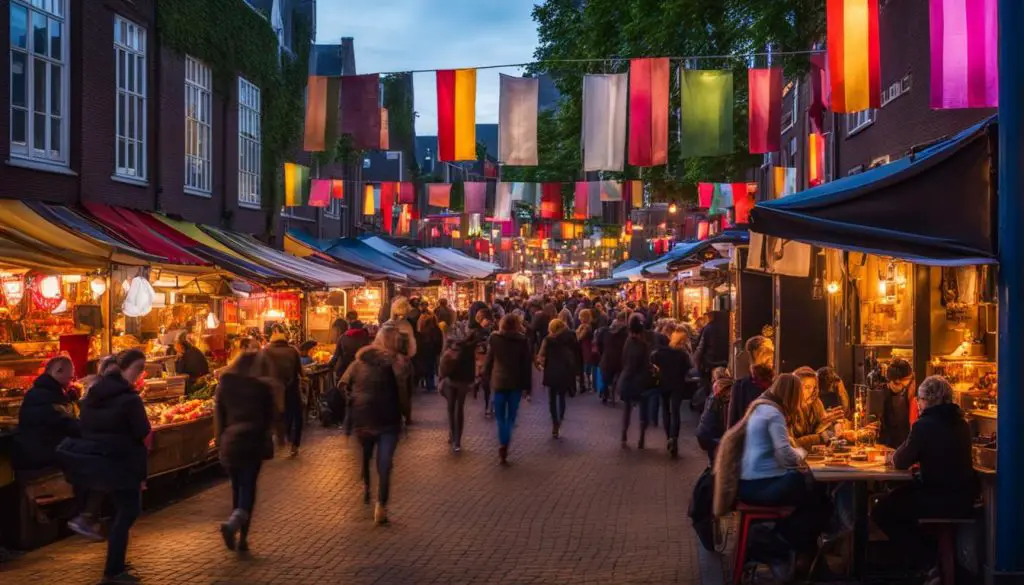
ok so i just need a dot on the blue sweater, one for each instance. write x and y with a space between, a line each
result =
767 451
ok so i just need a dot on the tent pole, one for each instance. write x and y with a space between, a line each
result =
1010 479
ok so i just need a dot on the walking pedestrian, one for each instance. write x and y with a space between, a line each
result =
480 333
558 358
428 349
610 343
635 380
111 455
509 371
379 383
458 372
400 311
286 365
244 409
588 353
673 363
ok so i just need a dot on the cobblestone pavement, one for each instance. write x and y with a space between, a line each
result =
575 510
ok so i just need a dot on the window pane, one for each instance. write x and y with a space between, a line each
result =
130 66
19 79
55 137
120 153
56 40
18 126
39 33
39 84
19 26
140 76
39 132
56 97
131 157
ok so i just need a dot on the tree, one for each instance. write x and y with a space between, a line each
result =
616 30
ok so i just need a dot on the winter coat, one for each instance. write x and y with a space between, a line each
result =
744 392
940 441
809 427
408 336
351 342
378 381
445 315
673 364
729 460
44 420
458 364
111 453
713 424
286 364
508 365
635 379
244 415
611 343
896 415
428 348
192 363
713 347
559 357
539 327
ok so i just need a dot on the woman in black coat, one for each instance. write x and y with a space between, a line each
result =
111 455
245 418
610 344
458 373
378 381
509 372
559 358
635 380
429 341
673 363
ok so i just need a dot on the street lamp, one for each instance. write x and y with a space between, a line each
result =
672 208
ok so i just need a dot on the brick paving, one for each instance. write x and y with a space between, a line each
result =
575 510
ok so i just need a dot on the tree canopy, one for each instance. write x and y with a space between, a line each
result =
616 30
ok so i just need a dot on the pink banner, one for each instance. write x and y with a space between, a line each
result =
965 60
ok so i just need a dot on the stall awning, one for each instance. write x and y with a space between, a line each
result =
126 223
701 254
453 260
355 255
937 206
412 259
627 265
605 283
80 225
298 268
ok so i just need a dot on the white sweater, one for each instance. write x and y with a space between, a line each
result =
767 451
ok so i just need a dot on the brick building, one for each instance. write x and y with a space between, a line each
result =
99 110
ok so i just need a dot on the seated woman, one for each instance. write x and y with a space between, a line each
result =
832 392
940 442
899 410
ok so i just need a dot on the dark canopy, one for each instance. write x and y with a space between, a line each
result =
936 206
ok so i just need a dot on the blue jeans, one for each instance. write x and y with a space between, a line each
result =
506 406
386 443
243 487
127 506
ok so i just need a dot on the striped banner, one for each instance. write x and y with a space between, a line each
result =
296 185
648 112
323 98
853 55
456 115
816 159
965 58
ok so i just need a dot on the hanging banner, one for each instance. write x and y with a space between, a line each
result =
964 51
323 97
296 185
387 205
551 201
407 193
517 120
816 159
439 194
581 199
765 107
604 122
648 112
475 193
784 181
611 190
742 205
705 195
818 78
320 193
595 205
634 193
526 192
337 189
853 59
369 200
707 101
456 115
360 110
385 134
503 201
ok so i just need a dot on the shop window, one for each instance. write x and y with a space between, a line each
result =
130 108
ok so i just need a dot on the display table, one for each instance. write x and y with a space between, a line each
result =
181 445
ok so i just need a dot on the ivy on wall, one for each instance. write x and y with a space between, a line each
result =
401 118
235 40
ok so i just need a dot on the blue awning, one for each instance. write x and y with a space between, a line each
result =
357 255
936 206
605 283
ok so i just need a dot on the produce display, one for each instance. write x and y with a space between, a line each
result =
321 355
205 388
167 414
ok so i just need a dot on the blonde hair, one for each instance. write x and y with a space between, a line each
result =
680 339
586 316
400 307
556 326
787 390
389 337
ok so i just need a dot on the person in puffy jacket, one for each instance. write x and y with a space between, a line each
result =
635 380
45 418
286 366
244 415
559 359
714 418
509 372
111 455
458 373
673 363
429 343
379 381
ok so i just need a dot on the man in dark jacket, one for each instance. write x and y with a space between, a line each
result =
610 343
940 442
756 381
356 338
559 358
673 364
899 403
445 314
286 365
45 418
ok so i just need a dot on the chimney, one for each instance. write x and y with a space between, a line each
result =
348 56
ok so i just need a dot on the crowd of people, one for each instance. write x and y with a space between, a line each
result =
757 430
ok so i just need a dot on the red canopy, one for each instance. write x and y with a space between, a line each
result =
131 225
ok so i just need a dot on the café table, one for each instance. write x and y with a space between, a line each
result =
859 474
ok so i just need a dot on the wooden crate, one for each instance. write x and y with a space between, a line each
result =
180 445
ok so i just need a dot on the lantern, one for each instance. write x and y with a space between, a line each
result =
211 321
138 301
49 287
14 289
98 286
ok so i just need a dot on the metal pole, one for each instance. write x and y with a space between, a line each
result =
1010 479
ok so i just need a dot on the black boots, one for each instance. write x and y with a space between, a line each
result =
237 522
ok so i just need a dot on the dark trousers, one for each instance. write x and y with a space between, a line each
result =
897 513
293 417
87 502
243 487
127 507
385 443
430 375
643 407
455 393
556 403
801 529
671 405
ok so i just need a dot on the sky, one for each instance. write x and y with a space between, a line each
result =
403 35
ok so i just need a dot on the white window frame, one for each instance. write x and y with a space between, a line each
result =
858 121
54 12
130 135
250 143
794 89
198 153
333 209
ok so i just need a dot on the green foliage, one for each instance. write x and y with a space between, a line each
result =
234 40
617 30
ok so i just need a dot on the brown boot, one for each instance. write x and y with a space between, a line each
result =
503 454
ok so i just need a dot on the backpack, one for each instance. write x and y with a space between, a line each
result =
700 510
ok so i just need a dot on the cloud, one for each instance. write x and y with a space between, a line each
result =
403 35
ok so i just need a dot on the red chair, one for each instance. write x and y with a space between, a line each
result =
748 515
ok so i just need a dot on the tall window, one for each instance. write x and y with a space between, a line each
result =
249 143
39 80
130 54
198 168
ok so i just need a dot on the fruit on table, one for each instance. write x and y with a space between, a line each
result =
182 412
